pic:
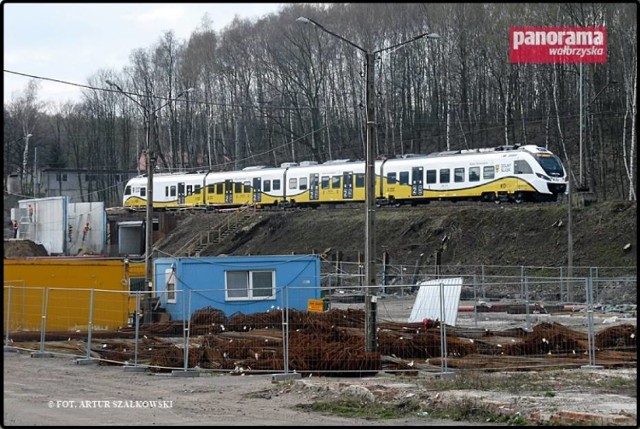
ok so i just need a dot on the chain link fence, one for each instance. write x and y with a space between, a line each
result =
507 318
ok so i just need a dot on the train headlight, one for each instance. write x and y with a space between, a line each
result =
543 177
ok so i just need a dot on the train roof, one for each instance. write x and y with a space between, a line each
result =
504 148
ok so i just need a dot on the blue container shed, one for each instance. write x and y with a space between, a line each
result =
245 284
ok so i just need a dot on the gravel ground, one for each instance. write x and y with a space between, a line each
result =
58 391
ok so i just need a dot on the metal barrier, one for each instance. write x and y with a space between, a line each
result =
525 320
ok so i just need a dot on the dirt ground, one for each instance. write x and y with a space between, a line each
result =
23 248
604 234
58 391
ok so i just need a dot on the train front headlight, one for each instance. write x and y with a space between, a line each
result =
543 177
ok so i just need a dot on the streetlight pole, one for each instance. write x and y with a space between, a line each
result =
24 162
149 116
370 179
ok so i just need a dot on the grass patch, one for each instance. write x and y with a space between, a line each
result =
463 410
363 410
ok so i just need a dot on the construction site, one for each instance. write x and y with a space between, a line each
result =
510 320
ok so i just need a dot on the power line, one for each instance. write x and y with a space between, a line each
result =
266 105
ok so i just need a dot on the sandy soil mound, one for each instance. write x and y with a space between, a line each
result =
22 248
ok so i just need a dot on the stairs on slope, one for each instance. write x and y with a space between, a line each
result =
235 220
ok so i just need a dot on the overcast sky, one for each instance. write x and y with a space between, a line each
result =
72 41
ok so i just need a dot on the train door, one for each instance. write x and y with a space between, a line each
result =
257 189
347 185
417 181
181 193
228 191
314 187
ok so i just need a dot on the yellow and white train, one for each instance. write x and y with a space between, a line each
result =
504 173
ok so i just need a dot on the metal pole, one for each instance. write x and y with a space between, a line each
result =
370 179
6 341
370 206
581 125
43 326
569 238
186 332
90 325
149 219
285 343
443 332
35 171
137 329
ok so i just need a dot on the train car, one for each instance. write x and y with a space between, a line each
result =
513 173
312 184
260 185
170 191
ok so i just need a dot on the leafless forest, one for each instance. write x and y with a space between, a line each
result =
277 90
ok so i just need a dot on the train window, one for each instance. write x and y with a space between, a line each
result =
335 182
219 188
189 189
211 188
166 191
404 177
247 187
445 175
293 183
325 182
172 190
359 180
276 184
391 178
458 175
127 190
488 172
474 174
237 187
266 185
303 183
197 190
522 167
431 176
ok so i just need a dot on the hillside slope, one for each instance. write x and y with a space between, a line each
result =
604 234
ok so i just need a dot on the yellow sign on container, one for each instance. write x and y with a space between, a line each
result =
315 305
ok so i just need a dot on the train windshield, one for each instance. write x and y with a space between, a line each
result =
550 164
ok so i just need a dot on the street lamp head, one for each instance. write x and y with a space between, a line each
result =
114 85
303 20
433 36
29 135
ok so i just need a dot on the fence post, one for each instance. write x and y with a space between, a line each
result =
562 292
186 326
185 332
285 341
590 329
88 359
136 329
285 333
475 301
444 373
526 302
8 348
43 326
136 341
